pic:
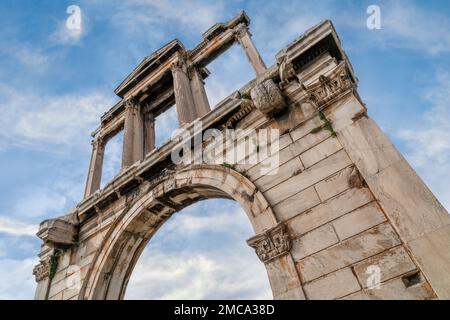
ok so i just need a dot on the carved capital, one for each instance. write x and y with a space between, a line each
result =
329 87
179 65
267 97
98 142
132 102
42 270
240 31
271 244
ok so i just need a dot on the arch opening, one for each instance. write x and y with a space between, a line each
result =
124 243
201 253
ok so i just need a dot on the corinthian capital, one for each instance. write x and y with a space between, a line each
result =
271 244
42 270
98 142
178 65
240 31
131 102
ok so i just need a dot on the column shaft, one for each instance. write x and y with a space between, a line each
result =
95 168
199 94
149 133
244 38
133 143
183 93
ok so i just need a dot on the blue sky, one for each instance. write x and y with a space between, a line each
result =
55 84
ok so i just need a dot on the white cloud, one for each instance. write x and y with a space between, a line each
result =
182 261
221 220
112 161
229 73
184 15
416 28
37 121
33 58
165 125
40 202
429 142
17 228
184 275
16 279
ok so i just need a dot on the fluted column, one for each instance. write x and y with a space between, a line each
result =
149 132
199 94
183 93
95 167
244 38
133 140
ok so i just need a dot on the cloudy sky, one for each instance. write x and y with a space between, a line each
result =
55 83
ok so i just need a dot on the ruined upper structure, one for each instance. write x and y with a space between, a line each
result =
343 216
171 75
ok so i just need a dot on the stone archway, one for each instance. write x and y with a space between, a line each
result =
342 197
134 227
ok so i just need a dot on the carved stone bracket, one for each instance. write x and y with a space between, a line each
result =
42 270
58 232
267 97
330 87
271 244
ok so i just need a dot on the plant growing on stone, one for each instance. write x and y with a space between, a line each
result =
54 262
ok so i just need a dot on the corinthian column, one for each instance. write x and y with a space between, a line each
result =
199 94
244 37
183 93
95 168
133 140
149 132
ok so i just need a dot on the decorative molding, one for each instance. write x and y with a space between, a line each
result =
42 270
246 108
271 244
286 70
330 87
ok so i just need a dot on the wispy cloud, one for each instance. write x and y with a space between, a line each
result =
183 15
415 28
183 261
428 143
187 275
16 228
40 202
16 279
32 58
38 121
